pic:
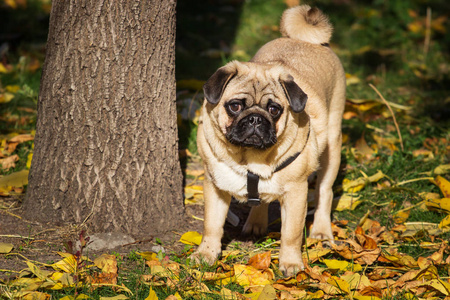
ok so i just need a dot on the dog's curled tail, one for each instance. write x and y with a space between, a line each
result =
306 24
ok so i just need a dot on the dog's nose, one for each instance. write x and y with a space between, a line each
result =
255 120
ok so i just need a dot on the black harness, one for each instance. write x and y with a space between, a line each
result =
253 198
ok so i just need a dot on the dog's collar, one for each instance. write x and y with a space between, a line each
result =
253 198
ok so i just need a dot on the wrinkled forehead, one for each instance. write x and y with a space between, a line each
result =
255 84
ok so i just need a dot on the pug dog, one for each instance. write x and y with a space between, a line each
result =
265 126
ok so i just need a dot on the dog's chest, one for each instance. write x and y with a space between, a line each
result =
235 183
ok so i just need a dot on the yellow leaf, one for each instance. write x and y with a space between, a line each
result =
268 293
68 264
248 275
191 238
12 88
342 265
339 284
352 186
444 185
314 254
27 284
439 205
107 263
3 69
118 297
348 202
401 216
151 295
41 274
17 179
442 169
36 296
5 247
29 159
148 255
351 79
358 296
440 285
445 222
6 97
62 280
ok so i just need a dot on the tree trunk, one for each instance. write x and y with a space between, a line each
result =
106 149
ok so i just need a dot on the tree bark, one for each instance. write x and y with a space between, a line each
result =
106 148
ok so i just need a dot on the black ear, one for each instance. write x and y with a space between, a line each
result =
297 98
215 85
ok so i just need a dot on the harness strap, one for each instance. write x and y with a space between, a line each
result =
253 179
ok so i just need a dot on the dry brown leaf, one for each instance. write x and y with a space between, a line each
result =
357 253
399 259
380 273
260 261
9 162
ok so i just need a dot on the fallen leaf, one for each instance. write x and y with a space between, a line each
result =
438 284
68 264
191 238
268 293
442 169
341 265
445 222
260 261
401 216
356 252
151 295
29 159
248 275
352 186
118 297
5 247
17 179
347 202
107 263
443 185
314 254
21 138
6 97
9 162
440 205
36 296
340 284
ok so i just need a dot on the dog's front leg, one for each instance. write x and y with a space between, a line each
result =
293 214
217 203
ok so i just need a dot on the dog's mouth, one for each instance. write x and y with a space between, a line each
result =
253 131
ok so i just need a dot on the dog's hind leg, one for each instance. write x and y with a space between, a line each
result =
257 221
326 175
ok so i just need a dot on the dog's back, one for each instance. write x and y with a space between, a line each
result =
304 48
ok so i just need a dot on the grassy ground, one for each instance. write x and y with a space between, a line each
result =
401 48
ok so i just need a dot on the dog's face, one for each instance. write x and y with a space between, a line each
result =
250 102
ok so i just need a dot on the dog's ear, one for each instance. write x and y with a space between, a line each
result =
215 85
296 97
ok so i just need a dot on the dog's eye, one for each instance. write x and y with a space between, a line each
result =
235 107
274 110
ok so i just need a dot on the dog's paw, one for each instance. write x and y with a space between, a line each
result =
291 261
257 221
254 229
321 230
291 267
205 254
